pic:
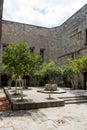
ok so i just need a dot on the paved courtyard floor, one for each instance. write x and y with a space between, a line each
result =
35 96
69 117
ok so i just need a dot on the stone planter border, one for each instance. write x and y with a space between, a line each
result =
25 105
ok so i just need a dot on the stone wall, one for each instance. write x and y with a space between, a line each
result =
55 45
73 34
34 36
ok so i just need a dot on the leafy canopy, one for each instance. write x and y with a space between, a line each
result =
47 69
19 61
75 66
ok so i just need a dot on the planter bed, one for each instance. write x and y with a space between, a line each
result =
32 100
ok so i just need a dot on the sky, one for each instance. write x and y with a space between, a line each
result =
46 13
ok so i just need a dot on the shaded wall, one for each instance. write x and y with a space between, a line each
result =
73 35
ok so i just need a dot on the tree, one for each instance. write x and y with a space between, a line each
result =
19 62
49 70
82 63
72 71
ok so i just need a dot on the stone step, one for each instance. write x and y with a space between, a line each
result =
75 102
74 99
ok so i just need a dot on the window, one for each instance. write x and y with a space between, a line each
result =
73 55
85 44
76 34
32 49
42 53
79 35
4 47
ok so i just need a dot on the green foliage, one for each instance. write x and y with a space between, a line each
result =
52 68
75 67
83 63
72 67
19 61
48 70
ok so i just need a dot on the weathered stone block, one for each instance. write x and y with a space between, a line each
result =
51 87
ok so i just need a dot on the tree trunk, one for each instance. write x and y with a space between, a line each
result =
9 83
16 86
21 89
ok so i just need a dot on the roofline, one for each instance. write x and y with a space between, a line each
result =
24 24
46 27
74 14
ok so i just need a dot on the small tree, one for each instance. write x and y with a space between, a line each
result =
82 63
72 71
19 62
48 70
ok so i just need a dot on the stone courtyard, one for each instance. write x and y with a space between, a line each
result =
69 117
69 40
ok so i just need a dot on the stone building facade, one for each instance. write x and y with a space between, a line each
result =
58 44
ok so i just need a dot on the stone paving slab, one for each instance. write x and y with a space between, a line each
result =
2 94
6 128
69 117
